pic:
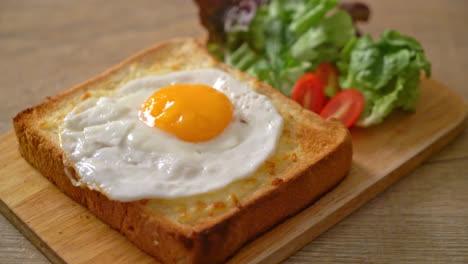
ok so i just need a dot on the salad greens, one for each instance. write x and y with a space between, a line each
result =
285 39
387 72
278 41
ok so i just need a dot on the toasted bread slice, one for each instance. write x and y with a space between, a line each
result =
312 156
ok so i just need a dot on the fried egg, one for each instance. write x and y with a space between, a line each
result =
169 136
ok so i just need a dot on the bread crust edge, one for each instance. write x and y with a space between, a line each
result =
210 243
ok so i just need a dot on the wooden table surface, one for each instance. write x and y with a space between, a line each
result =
49 45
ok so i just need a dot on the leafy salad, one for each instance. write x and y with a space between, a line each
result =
311 51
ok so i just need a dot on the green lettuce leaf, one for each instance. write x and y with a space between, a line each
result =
387 72
311 15
339 28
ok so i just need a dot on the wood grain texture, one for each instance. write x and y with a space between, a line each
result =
47 46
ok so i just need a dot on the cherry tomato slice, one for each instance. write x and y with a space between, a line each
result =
329 74
308 92
346 106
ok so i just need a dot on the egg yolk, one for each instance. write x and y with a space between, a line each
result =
191 112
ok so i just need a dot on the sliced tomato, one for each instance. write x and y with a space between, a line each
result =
329 74
308 92
346 106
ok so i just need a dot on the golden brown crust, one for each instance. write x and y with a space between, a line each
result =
221 239
320 161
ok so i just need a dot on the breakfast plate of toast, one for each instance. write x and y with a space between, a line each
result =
184 231
130 167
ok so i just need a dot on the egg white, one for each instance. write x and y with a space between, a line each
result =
117 154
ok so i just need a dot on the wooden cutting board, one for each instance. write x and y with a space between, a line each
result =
66 232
